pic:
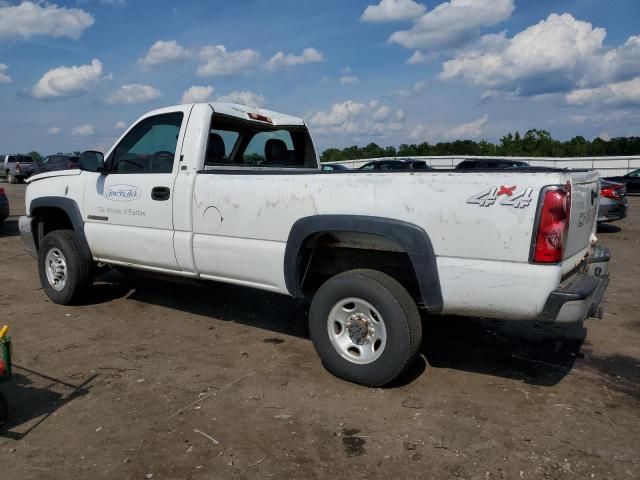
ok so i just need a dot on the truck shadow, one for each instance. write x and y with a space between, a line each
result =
33 397
608 228
534 353
527 351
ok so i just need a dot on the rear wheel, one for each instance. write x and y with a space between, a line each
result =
365 327
65 271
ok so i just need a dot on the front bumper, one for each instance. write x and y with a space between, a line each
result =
580 295
26 235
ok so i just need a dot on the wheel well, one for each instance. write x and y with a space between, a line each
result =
326 254
48 219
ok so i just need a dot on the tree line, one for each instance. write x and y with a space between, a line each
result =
534 143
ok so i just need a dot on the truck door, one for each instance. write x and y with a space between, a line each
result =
128 209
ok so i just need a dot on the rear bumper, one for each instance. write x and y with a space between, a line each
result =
26 235
579 296
611 210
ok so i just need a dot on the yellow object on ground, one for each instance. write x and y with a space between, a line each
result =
3 331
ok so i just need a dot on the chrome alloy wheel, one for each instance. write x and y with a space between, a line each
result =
357 330
56 269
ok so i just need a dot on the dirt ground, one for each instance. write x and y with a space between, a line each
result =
170 381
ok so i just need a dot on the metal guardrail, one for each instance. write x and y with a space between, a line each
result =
607 166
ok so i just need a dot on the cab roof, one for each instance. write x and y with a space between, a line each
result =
239 111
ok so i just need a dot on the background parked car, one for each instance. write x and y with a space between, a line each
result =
16 167
399 164
333 167
58 162
4 206
613 202
490 163
631 179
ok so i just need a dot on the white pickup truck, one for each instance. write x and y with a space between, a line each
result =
235 194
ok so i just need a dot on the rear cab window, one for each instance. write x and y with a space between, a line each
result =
241 144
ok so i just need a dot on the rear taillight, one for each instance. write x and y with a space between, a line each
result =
614 192
2 192
553 225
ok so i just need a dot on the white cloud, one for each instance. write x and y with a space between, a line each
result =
393 11
4 78
468 130
197 94
612 94
415 89
163 52
417 58
420 132
83 130
29 19
120 125
356 118
244 98
382 113
555 55
217 61
349 79
53 131
282 60
604 136
134 93
69 81
453 23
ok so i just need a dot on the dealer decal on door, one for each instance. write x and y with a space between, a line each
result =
505 195
122 193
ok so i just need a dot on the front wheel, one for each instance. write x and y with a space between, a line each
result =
65 271
365 327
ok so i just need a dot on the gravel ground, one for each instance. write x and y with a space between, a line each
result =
171 381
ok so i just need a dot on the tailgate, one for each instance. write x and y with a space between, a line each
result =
585 196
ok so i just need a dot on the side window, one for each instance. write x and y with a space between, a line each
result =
270 148
221 144
368 166
150 147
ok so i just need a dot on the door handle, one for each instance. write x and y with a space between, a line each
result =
160 193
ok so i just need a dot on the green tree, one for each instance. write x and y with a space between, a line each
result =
36 156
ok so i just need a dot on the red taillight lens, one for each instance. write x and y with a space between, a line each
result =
553 226
2 192
611 192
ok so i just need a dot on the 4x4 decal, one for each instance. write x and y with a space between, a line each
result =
512 198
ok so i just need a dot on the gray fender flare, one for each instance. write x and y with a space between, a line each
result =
412 238
70 207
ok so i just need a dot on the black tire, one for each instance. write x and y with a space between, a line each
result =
79 267
401 320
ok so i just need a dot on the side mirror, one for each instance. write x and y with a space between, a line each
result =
91 161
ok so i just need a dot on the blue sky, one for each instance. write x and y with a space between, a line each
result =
73 74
